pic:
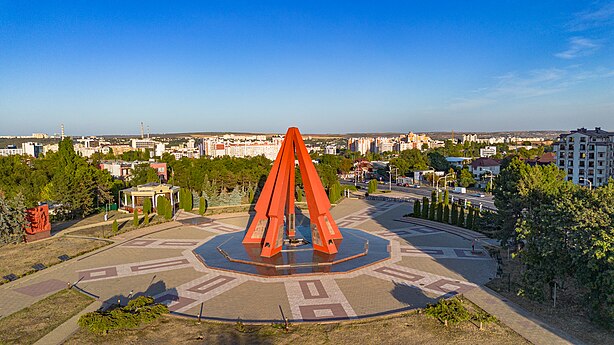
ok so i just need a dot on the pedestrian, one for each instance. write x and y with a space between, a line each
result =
473 246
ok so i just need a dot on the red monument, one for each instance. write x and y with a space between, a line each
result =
39 225
275 207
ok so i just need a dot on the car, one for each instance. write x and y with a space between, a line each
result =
479 195
416 186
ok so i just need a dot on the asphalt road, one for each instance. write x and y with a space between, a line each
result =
487 201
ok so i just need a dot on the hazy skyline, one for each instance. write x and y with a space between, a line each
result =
326 67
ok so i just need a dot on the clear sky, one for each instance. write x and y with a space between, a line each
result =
102 67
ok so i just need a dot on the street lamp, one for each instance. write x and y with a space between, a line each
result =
390 175
590 184
445 180
491 176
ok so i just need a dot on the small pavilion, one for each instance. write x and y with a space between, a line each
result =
134 197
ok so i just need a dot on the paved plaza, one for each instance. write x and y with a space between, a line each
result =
425 264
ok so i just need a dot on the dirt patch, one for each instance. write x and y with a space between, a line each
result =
32 323
570 314
409 328
18 259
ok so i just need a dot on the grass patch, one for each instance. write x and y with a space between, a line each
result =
409 328
32 323
45 252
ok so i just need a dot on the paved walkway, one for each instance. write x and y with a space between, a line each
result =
426 262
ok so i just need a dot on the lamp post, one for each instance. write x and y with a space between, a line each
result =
491 175
590 184
390 176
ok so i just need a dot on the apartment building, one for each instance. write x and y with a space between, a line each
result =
586 156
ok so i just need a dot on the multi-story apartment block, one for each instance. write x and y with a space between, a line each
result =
29 148
586 156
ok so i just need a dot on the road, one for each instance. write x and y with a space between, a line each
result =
487 201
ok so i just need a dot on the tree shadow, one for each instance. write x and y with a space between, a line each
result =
154 289
411 296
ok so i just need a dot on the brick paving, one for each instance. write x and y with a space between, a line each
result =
427 262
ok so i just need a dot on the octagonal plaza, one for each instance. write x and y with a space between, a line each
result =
425 264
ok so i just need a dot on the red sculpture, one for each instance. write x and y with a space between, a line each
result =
277 200
39 225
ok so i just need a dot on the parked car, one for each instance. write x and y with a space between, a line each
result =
479 195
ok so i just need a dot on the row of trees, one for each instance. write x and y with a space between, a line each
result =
63 177
567 232
438 208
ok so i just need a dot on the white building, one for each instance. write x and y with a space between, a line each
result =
488 151
28 148
330 150
586 156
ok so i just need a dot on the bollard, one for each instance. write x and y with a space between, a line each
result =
200 313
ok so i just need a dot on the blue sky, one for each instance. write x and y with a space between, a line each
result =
325 66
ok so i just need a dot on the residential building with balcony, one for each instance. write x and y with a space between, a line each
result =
586 156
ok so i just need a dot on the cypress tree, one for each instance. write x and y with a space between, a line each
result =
202 203
299 194
135 218
469 221
417 210
147 205
446 197
146 218
454 214
187 203
160 203
461 217
433 197
446 214
425 208
168 209
440 212
432 209
115 228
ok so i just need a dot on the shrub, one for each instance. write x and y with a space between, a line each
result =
454 215
140 310
469 221
446 214
146 218
425 208
432 209
440 212
168 210
461 217
147 206
448 311
446 197
372 188
202 205
299 194
417 209
160 203
135 218
433 196
115 227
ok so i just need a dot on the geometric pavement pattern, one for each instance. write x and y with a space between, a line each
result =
313 297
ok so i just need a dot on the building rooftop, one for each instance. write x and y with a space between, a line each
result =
484 162
597 132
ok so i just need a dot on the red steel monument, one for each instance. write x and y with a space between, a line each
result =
275 214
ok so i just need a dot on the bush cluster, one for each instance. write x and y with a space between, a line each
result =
140 310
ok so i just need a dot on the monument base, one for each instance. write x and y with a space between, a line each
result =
359 249
37 236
